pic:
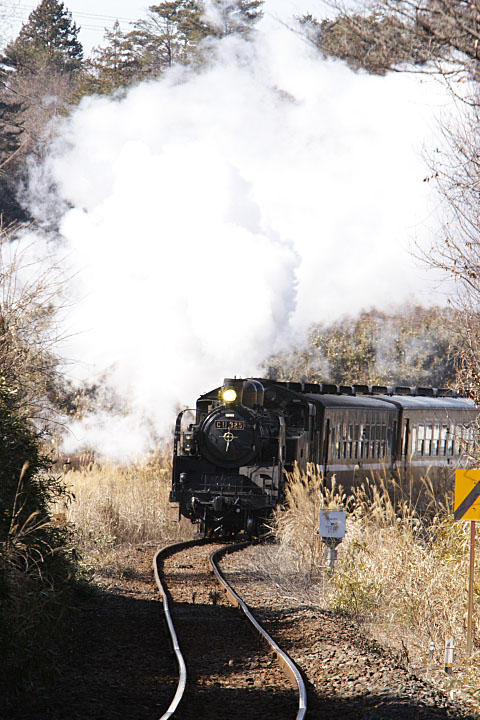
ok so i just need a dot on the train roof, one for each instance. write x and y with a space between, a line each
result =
363 395
392 401
423 402
350 401
366 396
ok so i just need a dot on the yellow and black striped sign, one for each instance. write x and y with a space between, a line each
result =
467 495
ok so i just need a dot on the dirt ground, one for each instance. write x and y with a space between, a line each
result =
115 661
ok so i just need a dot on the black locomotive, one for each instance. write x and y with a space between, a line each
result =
232 451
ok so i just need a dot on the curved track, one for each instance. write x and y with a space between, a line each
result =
287 663
158 572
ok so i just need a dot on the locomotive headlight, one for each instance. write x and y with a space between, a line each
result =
229 395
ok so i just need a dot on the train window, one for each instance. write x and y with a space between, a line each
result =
436 440
372 440
381 442
332 441
296 417
421 440
467 434
457 434
463 438
356 435
428 439
471 436
413 440
451 440
442 450
467 437
366 441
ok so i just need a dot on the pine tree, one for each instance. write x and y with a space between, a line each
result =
49 38
116 64
174 30
11 131
169 35
10 124
230 17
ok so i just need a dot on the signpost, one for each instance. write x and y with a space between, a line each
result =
333 526
467 507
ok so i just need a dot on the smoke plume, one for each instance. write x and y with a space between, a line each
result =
210 216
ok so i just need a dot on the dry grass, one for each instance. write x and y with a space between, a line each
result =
115 505
401 572
296 523
403 577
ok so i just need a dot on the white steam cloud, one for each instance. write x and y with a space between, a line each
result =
211 216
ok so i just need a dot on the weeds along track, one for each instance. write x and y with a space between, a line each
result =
227 666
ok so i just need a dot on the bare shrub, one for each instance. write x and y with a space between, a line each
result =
31 291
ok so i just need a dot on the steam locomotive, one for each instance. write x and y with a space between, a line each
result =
231 452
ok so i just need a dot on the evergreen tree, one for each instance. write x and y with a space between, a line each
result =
233 16
174 29
11 132
169 35
10 125
117 63
49 38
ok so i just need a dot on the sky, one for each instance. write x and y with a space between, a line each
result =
93 16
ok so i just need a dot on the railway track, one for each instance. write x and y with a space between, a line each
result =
223 669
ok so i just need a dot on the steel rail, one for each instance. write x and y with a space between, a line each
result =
286 661
158 572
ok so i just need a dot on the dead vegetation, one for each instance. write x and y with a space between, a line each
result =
401 571
116 505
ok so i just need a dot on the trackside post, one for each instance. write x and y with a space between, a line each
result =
467 507
333 527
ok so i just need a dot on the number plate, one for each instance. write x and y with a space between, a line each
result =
229 424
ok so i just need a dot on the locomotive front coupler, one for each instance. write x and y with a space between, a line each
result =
218 505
